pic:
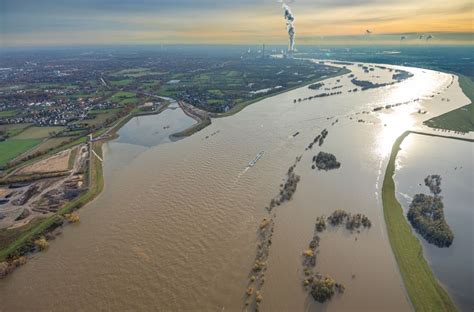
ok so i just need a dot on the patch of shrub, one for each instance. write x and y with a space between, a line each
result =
326 161
426 215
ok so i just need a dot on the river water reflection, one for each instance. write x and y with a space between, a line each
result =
175 228
419 157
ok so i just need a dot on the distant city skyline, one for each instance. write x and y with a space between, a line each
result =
55 22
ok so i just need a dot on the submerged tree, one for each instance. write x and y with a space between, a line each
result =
326 161
324 288
426 215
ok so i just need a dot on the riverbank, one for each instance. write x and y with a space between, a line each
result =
23 238
139 217
41 226
202 118
237 108
205 120
20 241
424 290
460 119
96 184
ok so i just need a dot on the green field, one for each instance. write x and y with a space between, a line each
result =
121 83
150 85
10 149
49 143
124 98
100 117
104 111
241 104
38 132
218 89
461 119
8 113
424 290
136 72
74 133
13 129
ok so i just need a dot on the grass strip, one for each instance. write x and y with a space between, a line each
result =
460 119
424 290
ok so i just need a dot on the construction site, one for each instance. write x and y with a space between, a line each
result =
40 189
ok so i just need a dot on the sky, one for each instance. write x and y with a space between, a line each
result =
76 22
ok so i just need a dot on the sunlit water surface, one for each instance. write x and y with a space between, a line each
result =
176 225
453 160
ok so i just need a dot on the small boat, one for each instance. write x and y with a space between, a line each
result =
254 161
296 134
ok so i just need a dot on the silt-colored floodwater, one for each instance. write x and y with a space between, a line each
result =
176 225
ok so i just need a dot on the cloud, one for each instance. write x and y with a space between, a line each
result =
226 21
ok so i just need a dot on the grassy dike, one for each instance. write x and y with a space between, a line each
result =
424 290
191 130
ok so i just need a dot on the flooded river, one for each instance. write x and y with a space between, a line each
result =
176 225
152 130
452 160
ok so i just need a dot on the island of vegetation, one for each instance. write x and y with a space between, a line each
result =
351 221
323 288
253 294
426 215
325 161
318 139
398 76
316 86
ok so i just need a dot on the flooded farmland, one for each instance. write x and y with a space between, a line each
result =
176 225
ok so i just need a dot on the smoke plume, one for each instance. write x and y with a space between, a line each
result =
289 18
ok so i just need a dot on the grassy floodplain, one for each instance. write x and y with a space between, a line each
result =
240 106
461 119
424 290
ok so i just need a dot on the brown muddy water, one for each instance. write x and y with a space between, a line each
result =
176 225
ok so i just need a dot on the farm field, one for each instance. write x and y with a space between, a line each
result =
12 148
38 132
124 98
11 130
